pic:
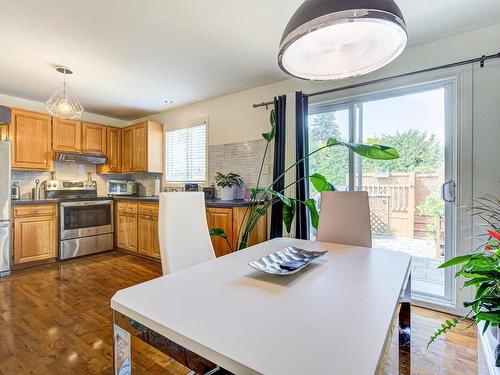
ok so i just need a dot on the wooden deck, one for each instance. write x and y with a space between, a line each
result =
56 319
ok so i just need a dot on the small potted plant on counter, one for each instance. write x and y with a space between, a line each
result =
227 182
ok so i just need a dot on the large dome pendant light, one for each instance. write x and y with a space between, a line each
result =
336 39
62 103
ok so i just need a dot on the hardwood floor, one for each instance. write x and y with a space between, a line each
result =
56 319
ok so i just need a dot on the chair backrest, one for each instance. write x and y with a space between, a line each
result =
345 218
183 231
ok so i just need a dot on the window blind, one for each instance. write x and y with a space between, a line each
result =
186 154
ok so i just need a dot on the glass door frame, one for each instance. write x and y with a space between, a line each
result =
355 104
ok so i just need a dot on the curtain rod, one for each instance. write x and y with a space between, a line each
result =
481 60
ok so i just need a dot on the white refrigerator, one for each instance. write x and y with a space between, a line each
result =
5 196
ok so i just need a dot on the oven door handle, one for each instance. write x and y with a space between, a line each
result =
86 203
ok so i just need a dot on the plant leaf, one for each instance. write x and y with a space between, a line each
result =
271 134
320 183
281 197
445 327
375 151
456 260
288 215
311 205
488 316
217 232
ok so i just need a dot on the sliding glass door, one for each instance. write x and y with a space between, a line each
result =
411 198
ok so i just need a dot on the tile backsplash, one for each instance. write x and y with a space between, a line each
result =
243 158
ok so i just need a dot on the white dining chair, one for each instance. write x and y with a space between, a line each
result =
183 231
345 218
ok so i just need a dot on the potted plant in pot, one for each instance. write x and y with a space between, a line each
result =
481 270
227 182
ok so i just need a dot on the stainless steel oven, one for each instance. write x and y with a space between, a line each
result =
85 227
88 218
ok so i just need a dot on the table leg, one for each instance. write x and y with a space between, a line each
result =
127 327
405 331
122 349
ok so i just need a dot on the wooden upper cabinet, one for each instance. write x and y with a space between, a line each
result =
31 136
93 139
113 152
147 147
140 155
127 149
66 135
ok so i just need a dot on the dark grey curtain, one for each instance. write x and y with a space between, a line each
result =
278 165
302 169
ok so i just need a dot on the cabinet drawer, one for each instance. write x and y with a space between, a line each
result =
35 210
126 207
148 209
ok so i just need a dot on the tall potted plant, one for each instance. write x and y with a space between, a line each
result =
481 269
227 182
264 198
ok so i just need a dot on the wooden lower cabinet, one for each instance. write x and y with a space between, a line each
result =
221 218
136 228
35 233
126 231
149 243
230 220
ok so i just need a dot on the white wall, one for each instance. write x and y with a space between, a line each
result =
31 105
232 118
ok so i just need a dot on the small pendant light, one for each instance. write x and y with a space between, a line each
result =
62 103
336 39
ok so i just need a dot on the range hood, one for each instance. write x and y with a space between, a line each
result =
79 158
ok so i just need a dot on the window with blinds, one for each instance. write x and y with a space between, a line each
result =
186 154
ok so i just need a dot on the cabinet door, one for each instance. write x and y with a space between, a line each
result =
31 140
259 233
114 150
35 239
127 231
221 218
93 139
140 154
149 243
127 149
66 135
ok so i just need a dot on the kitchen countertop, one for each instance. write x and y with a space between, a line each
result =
208 202
33 201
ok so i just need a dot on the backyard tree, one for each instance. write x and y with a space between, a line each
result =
419 151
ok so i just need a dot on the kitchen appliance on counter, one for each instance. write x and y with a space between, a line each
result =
16 191
121 187
5 197
191 187
86 220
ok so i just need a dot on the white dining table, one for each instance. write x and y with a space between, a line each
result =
333 317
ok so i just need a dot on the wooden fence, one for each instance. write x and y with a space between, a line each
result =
394 198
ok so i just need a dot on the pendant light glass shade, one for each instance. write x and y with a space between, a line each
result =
336 39
62 103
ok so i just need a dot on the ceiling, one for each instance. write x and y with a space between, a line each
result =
130 56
